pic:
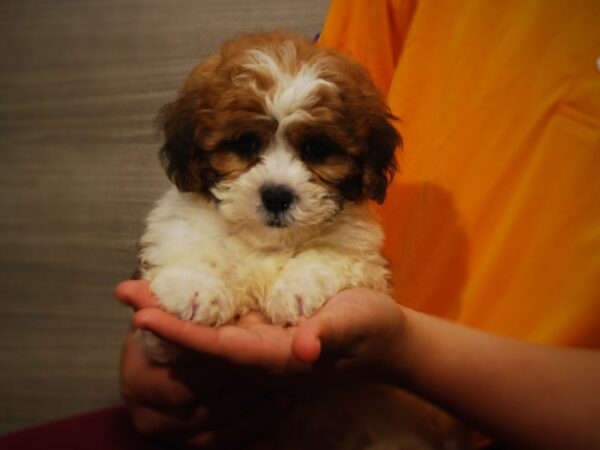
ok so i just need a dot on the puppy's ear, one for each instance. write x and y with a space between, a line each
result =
183 160
379 164
180 154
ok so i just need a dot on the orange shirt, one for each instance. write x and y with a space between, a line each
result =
494 219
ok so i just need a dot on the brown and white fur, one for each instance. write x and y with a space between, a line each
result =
275 147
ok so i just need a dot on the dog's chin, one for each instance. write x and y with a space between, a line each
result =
277 223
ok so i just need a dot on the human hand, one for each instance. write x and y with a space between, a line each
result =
359 330
200 403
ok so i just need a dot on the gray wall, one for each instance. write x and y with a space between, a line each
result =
80 85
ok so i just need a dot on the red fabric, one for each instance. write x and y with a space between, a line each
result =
106 429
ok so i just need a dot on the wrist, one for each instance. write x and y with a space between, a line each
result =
404 347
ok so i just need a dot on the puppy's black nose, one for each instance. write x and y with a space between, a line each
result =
276 199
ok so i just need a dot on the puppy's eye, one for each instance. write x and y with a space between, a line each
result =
246 145
317 149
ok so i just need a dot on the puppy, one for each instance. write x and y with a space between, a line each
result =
275 147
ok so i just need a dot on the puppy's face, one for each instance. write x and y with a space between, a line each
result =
279 133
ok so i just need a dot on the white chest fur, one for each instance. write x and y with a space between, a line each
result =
207 269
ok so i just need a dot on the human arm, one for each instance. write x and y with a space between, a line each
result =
525 395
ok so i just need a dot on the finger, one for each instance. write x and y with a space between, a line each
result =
306 344
201 440
149 383
153 422
332 331
319 336
200 338
208 383
135 293
269 347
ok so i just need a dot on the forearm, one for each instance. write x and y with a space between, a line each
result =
530 395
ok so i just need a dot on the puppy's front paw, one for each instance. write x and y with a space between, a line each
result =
194 295
290 299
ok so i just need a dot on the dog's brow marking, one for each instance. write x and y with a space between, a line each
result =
293 91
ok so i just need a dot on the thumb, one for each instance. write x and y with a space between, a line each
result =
342 325
321 335
306 343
